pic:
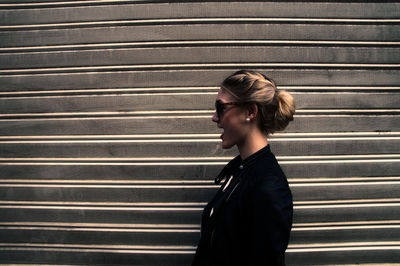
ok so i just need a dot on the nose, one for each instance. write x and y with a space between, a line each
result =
215 118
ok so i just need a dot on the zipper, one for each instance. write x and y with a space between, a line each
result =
226 200
212 238
233 190
227 183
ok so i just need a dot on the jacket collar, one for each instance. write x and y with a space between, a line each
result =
253 158
228 169
237 163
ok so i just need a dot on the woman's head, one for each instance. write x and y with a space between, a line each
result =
275 108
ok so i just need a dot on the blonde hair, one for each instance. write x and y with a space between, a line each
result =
275 107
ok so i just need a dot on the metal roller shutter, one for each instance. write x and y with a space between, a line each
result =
108 152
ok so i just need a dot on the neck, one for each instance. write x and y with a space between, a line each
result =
253 143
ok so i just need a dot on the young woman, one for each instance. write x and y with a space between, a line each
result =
248 221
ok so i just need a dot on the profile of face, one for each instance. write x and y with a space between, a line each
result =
232 119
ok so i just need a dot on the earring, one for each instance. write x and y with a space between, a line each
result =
248 119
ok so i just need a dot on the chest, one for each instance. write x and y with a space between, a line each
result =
228 205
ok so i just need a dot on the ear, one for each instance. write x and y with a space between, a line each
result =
252 111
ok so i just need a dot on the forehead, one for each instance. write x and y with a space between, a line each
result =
224 96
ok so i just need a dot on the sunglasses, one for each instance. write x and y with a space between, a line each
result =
220 107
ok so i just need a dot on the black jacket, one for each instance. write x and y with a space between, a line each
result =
248 221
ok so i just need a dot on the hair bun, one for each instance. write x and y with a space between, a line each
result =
285 111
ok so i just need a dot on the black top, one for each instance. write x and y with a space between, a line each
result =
248 221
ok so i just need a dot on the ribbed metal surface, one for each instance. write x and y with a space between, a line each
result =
108 152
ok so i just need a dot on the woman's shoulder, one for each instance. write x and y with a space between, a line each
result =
267 181
266 170
265 163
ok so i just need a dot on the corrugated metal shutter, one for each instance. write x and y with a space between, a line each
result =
107 148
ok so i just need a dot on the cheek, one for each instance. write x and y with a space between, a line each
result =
232 132
235 126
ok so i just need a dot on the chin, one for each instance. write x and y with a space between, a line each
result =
226 145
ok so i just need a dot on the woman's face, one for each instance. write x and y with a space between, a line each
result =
231 120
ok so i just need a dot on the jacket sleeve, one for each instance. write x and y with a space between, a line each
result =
268 212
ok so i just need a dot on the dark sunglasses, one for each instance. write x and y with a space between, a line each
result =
220 107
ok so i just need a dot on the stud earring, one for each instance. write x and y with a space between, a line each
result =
248 119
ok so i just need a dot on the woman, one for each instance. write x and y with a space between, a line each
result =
248 222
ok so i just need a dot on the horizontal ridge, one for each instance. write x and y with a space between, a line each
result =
379 224
168 114
191 249
162 138
218 20
327 159
188 43
54 70
186 91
